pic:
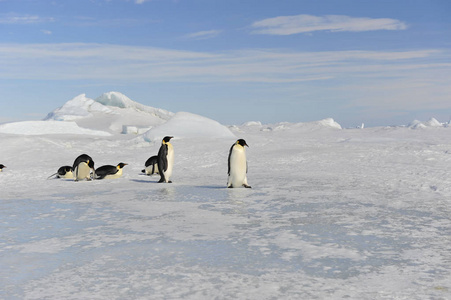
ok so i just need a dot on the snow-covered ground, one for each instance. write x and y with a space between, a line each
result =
333 213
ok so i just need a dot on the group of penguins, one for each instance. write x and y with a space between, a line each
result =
162 164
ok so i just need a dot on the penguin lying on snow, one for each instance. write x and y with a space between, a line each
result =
2 167
83 165
63 172
237 165
151 166
109 171
166 160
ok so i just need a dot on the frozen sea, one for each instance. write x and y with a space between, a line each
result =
332 214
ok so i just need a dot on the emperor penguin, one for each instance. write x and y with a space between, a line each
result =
237 165
151 166
109 172
2 167
83 165
166 160
64 172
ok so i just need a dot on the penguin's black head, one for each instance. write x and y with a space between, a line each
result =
91 163
166 139
242 142
121 165
68 169
2 166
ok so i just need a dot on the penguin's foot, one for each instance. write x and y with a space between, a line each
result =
247 186
170 181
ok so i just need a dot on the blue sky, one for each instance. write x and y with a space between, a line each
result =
378 62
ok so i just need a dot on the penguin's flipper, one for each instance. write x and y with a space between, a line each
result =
230 154
163 158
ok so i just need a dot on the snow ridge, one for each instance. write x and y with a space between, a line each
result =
116 99
77 108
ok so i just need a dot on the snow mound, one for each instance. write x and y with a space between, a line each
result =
77 108
188 125
308 126
432 122
252 123
329 122
47 127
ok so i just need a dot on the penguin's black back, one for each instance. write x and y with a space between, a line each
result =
83 158
103 171
151 161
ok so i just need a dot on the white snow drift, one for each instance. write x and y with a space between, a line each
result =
44 127
188 125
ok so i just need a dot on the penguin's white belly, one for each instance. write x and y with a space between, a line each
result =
149 169
68 175
113 176
82 171
170 159
238 168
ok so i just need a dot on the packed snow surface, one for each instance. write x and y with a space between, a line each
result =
332 214
43 128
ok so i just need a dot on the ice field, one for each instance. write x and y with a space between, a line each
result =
332 214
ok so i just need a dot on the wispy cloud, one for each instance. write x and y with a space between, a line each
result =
404 77
114 22
23 19
287 25
203 35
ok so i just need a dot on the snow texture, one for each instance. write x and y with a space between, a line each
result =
332 214
43 128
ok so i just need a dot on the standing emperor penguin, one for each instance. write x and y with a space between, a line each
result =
237 165
165 160
83 165
1 167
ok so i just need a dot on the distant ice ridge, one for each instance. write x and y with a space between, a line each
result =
116 99
188 125
325 123
107 103
432 122
77 108
111 111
